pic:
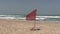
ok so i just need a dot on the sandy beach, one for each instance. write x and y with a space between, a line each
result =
24 27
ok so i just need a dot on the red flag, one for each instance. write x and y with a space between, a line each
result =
32 15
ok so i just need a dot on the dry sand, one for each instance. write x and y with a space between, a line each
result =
23 27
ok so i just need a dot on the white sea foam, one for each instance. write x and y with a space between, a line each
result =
23 18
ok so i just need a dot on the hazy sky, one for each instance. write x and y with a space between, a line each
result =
24 6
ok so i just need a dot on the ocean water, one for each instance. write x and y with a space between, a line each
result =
38 18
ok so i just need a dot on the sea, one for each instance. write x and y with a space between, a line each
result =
38 17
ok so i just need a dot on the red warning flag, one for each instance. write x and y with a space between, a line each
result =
32 15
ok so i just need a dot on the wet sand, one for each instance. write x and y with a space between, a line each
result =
24 27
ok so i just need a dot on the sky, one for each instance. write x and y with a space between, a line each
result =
51 7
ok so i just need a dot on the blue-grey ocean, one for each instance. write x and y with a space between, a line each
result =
38 18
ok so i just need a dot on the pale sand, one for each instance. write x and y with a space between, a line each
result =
23 27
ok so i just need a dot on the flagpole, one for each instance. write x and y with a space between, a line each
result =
34 26
32 17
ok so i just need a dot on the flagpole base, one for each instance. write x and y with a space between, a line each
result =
34 29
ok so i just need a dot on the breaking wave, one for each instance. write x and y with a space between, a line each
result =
39 18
